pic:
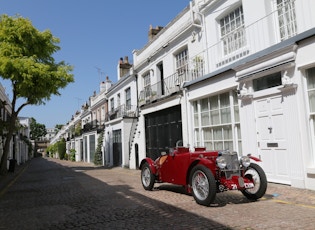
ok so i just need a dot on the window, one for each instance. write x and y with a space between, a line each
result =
128 99
267 82
147 84
112 105
118 100
310 80
232 31
182 62
286 18
216 122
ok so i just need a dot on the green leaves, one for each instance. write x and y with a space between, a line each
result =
25 59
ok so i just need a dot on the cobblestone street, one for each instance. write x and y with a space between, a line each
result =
52 194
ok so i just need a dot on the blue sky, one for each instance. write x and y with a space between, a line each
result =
93 35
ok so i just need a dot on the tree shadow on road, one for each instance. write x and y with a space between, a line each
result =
60 198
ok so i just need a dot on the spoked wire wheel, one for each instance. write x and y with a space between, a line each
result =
147 177
203 185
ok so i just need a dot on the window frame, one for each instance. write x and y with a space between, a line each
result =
229 129
286 28
128 98
228 38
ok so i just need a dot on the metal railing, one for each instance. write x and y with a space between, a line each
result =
122 111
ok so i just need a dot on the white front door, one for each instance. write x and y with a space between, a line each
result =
271 136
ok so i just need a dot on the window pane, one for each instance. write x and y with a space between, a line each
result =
196 120
236 113
214 102
311 97
217 134
227 130
218 146
225 116
205 118
209 146
228 145
195 104
224 100
215 118
311 78
267 82
207 134
204 105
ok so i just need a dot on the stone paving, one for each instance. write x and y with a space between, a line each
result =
52 194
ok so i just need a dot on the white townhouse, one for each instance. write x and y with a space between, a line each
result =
5 111
93 119
162 66
121 118
255 97
243 79
23 142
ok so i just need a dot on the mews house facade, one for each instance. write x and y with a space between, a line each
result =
235 75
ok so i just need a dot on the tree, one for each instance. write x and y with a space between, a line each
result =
58 127
26 60
98 159
37 130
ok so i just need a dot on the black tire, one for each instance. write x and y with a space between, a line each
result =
203 185
147 177
258 175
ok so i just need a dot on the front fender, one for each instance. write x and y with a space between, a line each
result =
150 162
210 164
254 158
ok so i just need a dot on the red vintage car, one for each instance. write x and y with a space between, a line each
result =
205 173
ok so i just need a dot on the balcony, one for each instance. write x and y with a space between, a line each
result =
172 84
122 111
92 126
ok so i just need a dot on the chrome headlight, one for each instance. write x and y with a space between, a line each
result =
245 161
221 162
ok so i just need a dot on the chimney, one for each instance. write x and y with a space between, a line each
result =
105 85
123 67
154 31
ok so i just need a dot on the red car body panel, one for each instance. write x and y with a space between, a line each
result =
175 168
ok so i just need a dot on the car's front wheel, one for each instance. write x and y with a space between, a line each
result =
255 173
147 177
203 185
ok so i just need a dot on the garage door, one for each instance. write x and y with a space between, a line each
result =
163 130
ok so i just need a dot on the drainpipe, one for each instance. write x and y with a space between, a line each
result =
192 12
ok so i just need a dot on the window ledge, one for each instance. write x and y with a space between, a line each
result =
310 170
287 87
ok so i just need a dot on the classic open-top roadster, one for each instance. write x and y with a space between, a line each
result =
205 173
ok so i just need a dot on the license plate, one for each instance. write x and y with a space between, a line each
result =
249 185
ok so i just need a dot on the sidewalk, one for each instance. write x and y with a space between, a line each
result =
10 177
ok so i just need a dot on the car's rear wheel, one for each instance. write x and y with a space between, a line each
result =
203 185
147 177
255 173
